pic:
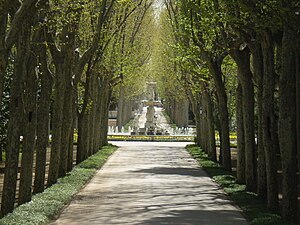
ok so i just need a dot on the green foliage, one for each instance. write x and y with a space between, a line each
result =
253 207
128 54
163 65
64 14
4 105
229 69
46 205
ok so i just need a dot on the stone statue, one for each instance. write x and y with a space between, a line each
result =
150 117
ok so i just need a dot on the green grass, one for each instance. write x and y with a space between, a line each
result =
44 206
255 209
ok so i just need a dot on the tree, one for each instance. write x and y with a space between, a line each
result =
287 113
200 32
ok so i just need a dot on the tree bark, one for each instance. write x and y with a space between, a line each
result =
82 147
268 122
261 162
28 7
103 115
14 131
93 113
29 123
211 141
71 141
287 125
241 156
104 127
120 113
242 58
197 118
9 34
298 108
83 135
67 121
204 127
215 69
42 122
59 94
95 125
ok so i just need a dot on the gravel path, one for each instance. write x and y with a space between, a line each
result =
151 183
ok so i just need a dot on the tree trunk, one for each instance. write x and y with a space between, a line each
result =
287 125
201 112
198 129
241 156
95 125
71 150
14 131
29 123
103 120
71 141
93 113
120 113
197 118
92 129
82 146
104 126
205 136
268 123
242 58
87 136
215 69
67 124
67 121
298 110
42 122
261 161
59 94
210 127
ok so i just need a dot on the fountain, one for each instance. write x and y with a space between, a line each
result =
149 119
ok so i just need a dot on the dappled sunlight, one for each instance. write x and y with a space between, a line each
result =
151 183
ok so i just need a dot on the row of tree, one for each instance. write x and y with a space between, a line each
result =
59 63
240 57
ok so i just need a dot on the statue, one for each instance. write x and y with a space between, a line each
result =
150 117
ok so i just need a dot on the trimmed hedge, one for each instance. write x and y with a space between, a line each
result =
254 208
46 205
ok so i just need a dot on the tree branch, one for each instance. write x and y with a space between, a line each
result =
18 19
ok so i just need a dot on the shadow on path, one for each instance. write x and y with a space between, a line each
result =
151 183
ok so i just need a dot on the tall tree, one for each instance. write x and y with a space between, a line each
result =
287 115
30 120
14 127
242 58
